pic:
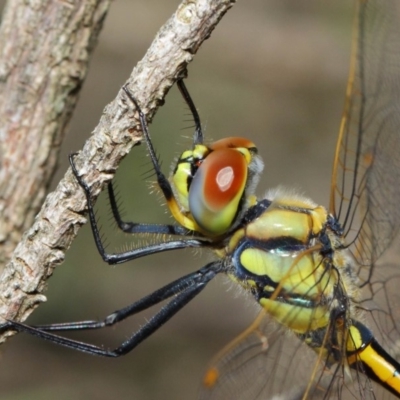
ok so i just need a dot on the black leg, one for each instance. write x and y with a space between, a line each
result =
134 253
198 134
130 227
135 227
162 180
182 290
181 217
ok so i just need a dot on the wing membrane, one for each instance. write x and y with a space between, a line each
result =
259 366
269 363
367 164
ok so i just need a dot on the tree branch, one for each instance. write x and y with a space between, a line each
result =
44 244
44 55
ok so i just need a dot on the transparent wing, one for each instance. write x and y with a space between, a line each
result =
256 365
366 178
267 362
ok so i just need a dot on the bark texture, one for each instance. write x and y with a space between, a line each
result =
45 48
44 244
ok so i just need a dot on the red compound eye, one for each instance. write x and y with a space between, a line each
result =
223 175
233 142
217 188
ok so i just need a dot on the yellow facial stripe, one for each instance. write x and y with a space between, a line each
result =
180 183
183 173
246 153
180 217
200 151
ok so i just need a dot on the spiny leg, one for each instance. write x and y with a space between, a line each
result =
162 180
183 290
133 227
134 253
198 136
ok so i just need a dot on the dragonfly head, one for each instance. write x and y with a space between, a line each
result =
215 184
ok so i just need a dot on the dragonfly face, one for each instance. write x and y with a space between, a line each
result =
215 184
329 323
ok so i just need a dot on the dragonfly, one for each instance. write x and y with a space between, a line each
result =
324 278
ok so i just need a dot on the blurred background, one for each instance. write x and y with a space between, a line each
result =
274 71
